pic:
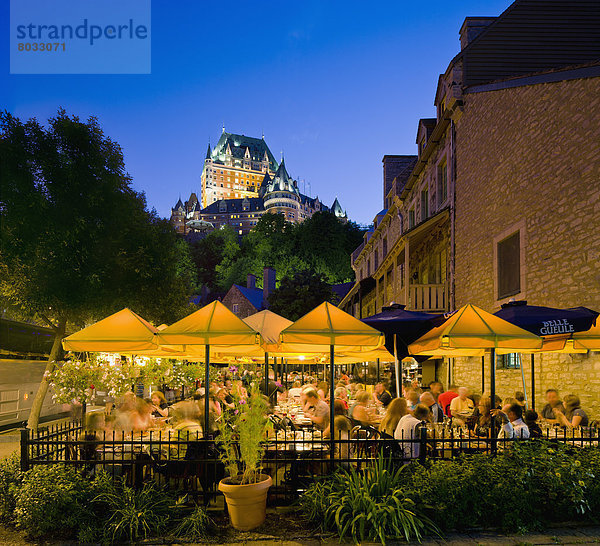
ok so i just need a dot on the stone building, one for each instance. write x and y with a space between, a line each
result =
504 199
241 181
247 300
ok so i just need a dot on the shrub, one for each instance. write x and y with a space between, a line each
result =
53 500
133 513
522 488
10 481
368 505
194 526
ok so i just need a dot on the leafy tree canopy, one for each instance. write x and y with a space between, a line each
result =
77 241
299 294
321 244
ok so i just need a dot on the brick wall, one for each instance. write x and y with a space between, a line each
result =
529 157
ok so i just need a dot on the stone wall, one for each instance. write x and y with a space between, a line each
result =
234 296
528 158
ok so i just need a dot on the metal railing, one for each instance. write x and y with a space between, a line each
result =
293 458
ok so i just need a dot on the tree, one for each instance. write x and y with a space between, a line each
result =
77 242
299 294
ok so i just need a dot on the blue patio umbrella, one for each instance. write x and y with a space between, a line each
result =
546 321
401 328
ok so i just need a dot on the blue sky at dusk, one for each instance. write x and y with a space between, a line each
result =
335 85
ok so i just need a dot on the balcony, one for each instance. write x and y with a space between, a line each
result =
432 298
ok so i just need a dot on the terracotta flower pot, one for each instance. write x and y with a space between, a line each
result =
247 504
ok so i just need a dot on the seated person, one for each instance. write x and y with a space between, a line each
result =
395 411
483 423
381 395
552 401
437 414
296 391
315 409
408 431
358 411
338 411
160 408
187 428
412 398
341 395
513 425
573 416
530 419
462 407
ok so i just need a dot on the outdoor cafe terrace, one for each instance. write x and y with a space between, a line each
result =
181 446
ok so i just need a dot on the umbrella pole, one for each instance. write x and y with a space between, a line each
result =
331 408
523 379
267 374
493 397
532 381
482 374
398 370
377 370
206 391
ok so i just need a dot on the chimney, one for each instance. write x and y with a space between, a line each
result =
471 28
268 285
250 281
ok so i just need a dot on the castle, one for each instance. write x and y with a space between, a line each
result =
241 181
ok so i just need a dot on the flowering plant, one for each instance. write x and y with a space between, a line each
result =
242 435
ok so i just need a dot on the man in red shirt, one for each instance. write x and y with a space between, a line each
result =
445 398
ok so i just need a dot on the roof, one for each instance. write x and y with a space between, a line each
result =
340 290
336 208
428 124
178 205
533 36
238 144
253 295
234 205
282 181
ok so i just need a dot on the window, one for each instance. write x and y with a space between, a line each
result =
411 218
384 247
442 183
376 260
509 266
236 306
424 204
510 361
369 267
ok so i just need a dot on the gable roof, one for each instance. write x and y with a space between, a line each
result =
533 36
253 295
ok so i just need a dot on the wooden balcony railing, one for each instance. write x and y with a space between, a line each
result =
428 297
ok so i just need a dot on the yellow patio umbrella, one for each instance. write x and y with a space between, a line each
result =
211 326
588 340
329 327
471 331
121 332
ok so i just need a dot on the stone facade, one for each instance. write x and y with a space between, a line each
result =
528 159
514 149
237 302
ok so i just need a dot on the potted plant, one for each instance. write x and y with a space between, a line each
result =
241 439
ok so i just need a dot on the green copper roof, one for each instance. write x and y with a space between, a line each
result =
238 144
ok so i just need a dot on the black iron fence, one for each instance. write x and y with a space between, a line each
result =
190 463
